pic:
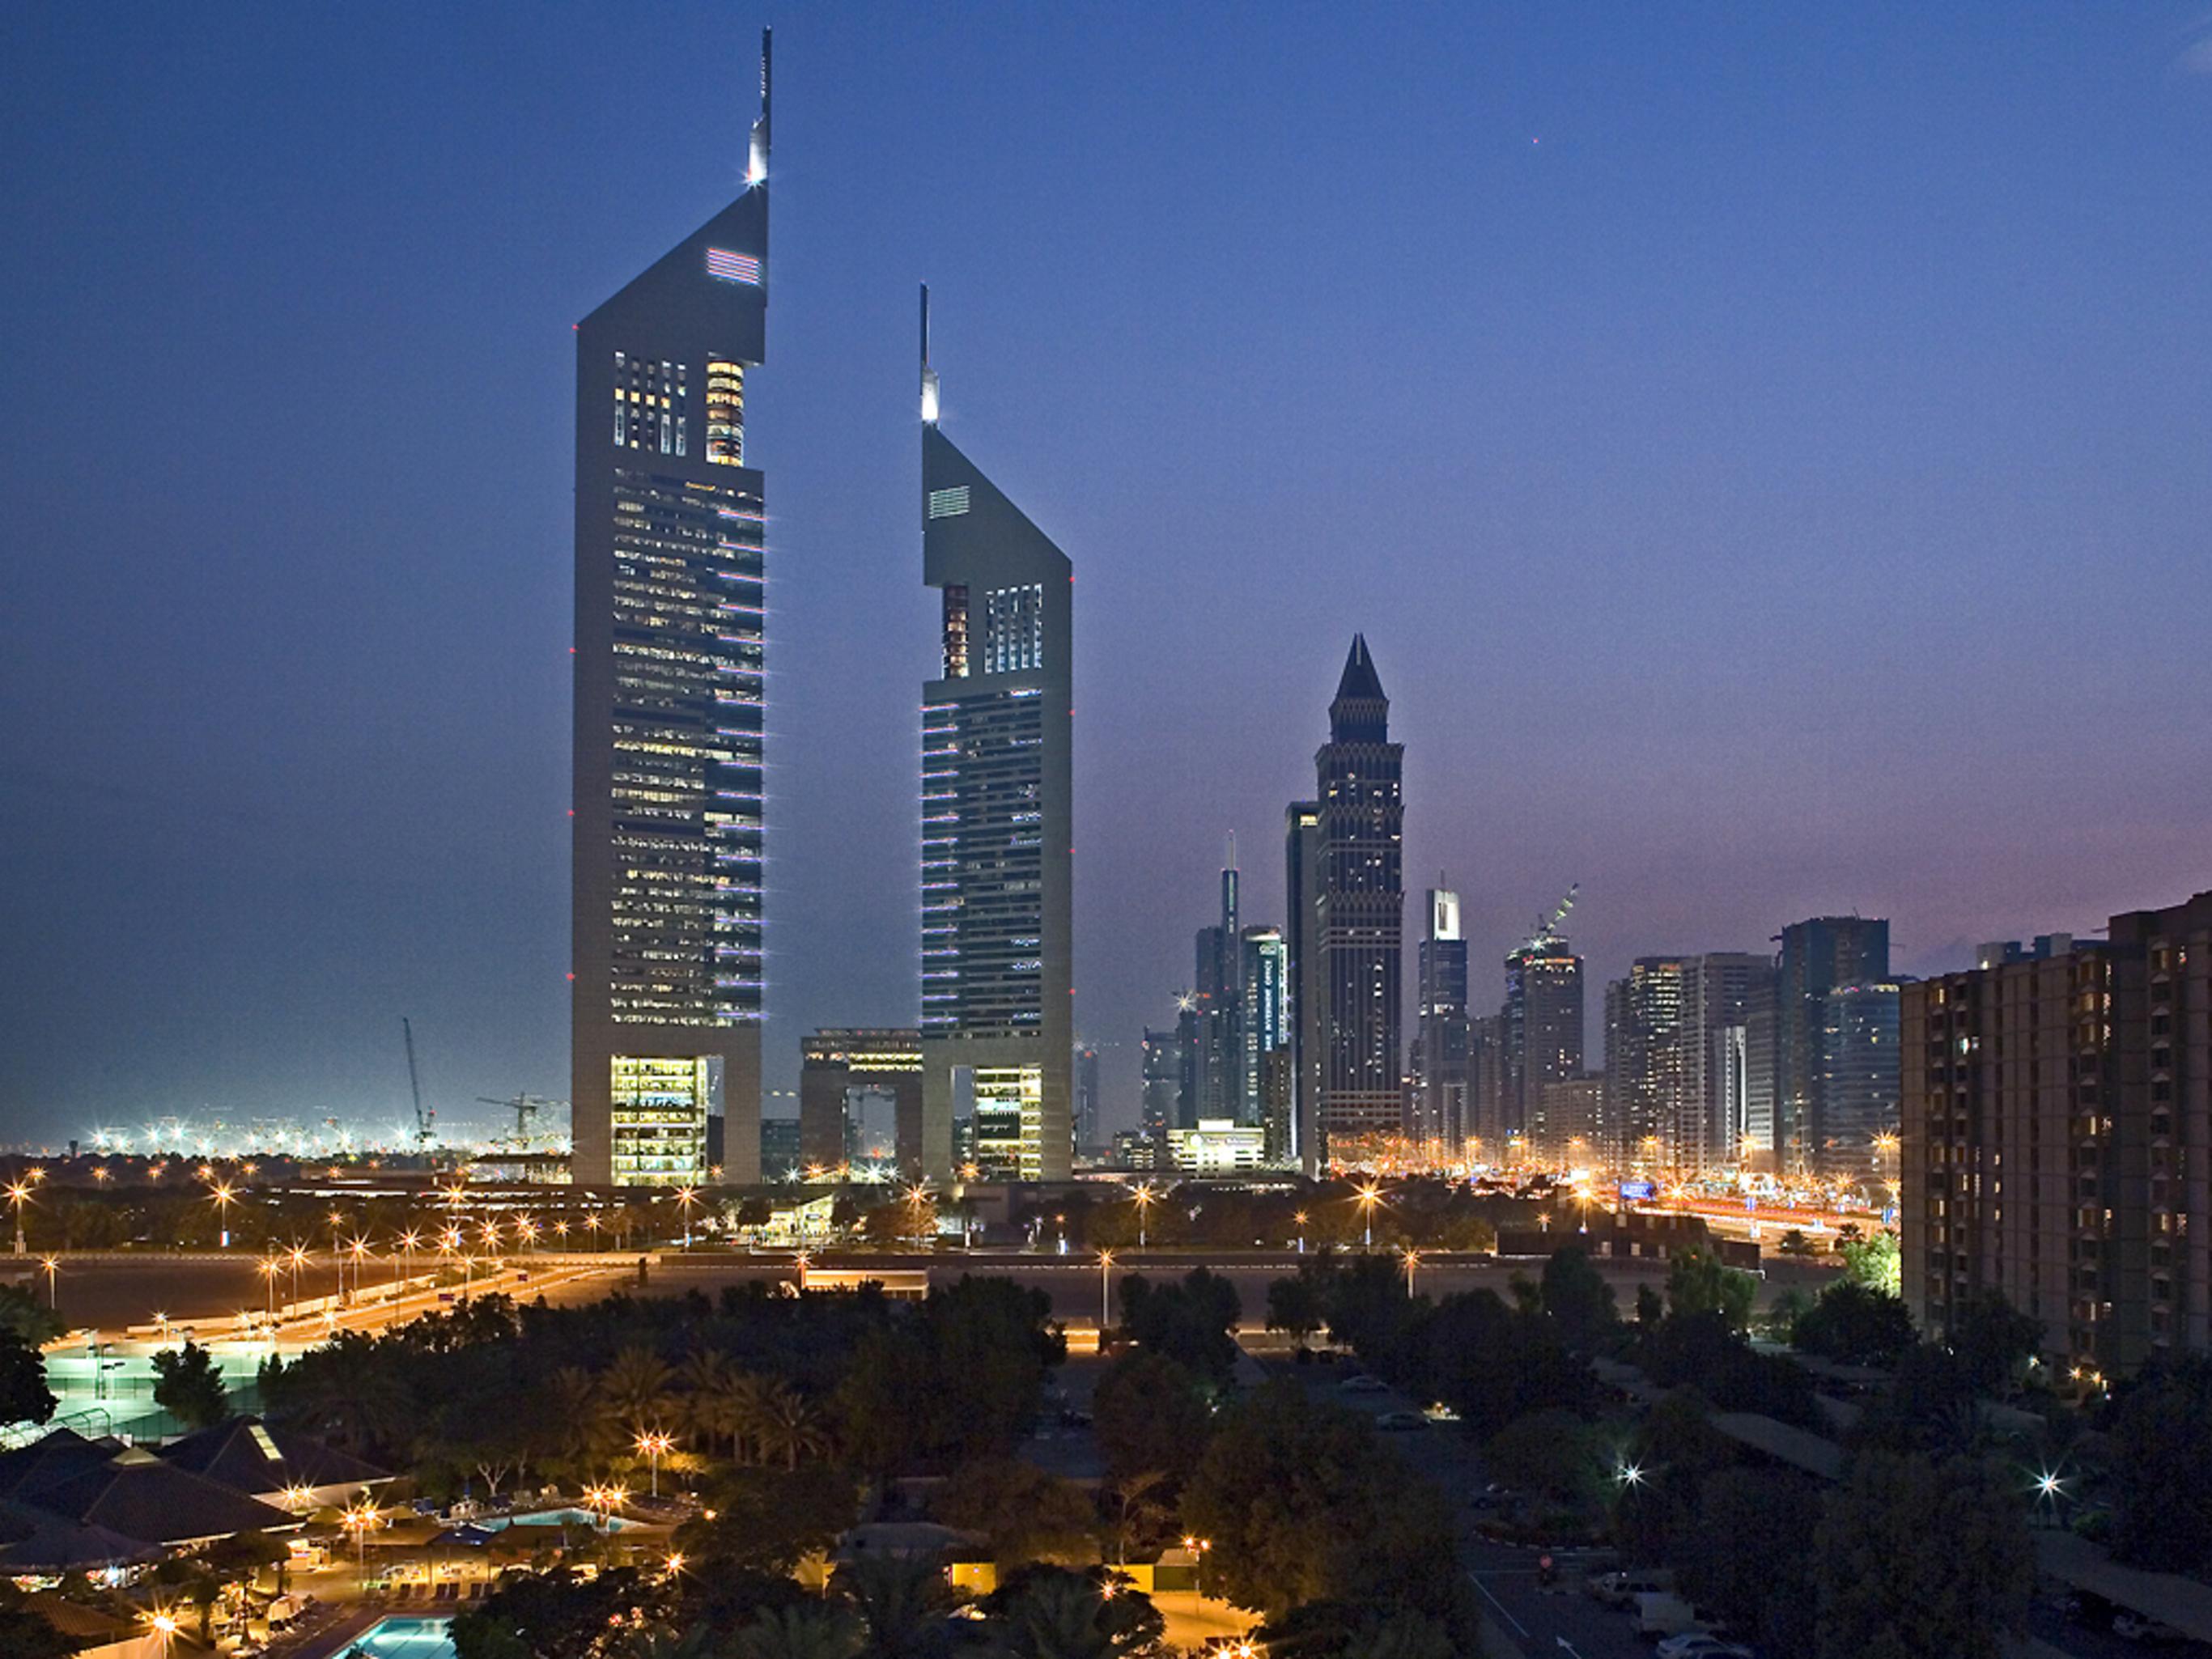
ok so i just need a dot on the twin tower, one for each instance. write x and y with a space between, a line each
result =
668 838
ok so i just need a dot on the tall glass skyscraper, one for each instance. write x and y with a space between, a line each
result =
666 919
1441 1119
997 948
1358 919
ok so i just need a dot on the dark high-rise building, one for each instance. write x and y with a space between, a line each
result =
666 912
1833 1093
1485 1086
1087 1134
2057 1108
1441 1119
1358 918
997 977
1162 1108
1301 943
1677 1039
1541 1023
859 1098
1217 989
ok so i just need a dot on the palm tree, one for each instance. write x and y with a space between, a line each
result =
571 1413
904 1604
1057 1617
811 1631
789 1424
744 1408
704 1376
1142 1509
633 1390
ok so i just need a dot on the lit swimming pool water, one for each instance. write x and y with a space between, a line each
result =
401 1637
570 1517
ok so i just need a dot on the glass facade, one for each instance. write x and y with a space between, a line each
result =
686 784
982 857
1008 1116
660 1120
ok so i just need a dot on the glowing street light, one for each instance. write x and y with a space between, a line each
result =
223 1197
1300 1218
652 1442
359 1520
19 1195
1144 1198
52 1264
1629 1474
1412 1261
1105 1281
1367 1198
685 1198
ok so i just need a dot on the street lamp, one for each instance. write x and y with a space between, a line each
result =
652 1442
1144 1198
1412 1260
358 1520
685 1198
223 1197
1367 1198
917 1198
1105 1281
1300 1218
270 1267
19 1193
52 1264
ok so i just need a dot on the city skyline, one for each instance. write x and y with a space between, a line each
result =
406 844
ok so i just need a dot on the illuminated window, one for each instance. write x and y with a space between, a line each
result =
1013 628
725 412
651 401
955 632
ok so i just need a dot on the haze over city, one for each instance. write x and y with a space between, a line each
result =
1765 455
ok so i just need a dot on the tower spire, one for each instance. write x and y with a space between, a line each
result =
757 161
929 374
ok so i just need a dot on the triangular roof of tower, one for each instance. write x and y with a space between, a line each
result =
1359 682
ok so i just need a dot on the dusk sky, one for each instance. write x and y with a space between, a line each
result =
1768 450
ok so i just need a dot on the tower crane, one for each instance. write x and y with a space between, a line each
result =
1549 930
525 1107
422 1119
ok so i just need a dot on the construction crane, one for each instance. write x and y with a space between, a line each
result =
422 1119
1547 930
525 1107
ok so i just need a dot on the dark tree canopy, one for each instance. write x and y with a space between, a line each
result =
188 1385
2162 1458
24 1396
1152 1417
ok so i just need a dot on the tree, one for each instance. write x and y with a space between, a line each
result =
1554 1456
1150 1415
2162 1460
810 1631
769 1521
1749 1555
557 1615
1854 1324
24 1396
790 1426
902 1602
1026 1514
1191 1322
1294 1305
1922 1561
1492 1364
1990 1339
21 1312
1577 1297
1874 1262
1058 1613
1301 1503
188 1385
633 1390
1698 1282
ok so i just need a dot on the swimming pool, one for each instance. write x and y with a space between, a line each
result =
401 1637
569 1517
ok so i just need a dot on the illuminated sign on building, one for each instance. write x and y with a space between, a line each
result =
731 267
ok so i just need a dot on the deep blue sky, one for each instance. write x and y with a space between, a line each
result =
1769 450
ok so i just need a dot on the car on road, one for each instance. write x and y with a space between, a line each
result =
1701 1644
1620 1590
1360 1382
2134 1627
1396 1422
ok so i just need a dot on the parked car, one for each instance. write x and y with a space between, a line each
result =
1701 1644
1663 1613
1620 1590
1399 1421
2136 1628
1360 1382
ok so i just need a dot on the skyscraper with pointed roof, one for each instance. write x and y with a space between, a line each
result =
997 946
666 849
1357 927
